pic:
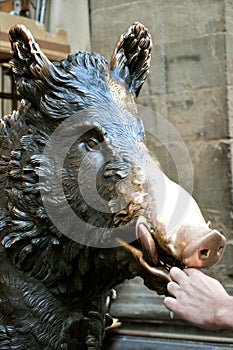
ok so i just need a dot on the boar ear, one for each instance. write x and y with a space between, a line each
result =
131 57
32 70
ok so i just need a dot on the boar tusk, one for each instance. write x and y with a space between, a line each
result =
146 240
138 255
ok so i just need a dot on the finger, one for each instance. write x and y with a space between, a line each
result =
178 275
173 288
170 303
196 276
193 272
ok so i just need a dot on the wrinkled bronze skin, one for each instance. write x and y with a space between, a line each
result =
53 289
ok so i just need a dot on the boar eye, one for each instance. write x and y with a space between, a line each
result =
92 144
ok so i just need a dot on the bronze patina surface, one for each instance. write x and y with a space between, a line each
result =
55 274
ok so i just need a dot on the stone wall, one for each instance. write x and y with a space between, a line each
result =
190 84
72 15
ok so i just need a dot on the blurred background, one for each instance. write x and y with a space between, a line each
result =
191 85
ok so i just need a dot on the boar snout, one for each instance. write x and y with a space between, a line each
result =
206 251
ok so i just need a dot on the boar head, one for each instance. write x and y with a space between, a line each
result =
85 170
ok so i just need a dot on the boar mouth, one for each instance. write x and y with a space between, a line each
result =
153 262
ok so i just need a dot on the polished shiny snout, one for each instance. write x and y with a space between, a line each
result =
206 251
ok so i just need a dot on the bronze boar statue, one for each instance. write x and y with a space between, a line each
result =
82 200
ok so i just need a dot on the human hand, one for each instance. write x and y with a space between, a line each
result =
199 299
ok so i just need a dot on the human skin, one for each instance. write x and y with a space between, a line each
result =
199 299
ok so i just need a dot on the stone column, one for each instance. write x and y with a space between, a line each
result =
73 16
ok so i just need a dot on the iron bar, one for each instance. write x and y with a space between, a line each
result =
191 337
37 12
42 11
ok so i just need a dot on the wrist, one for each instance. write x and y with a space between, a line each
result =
223 317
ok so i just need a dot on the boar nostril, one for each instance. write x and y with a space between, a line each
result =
204 252
220 250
